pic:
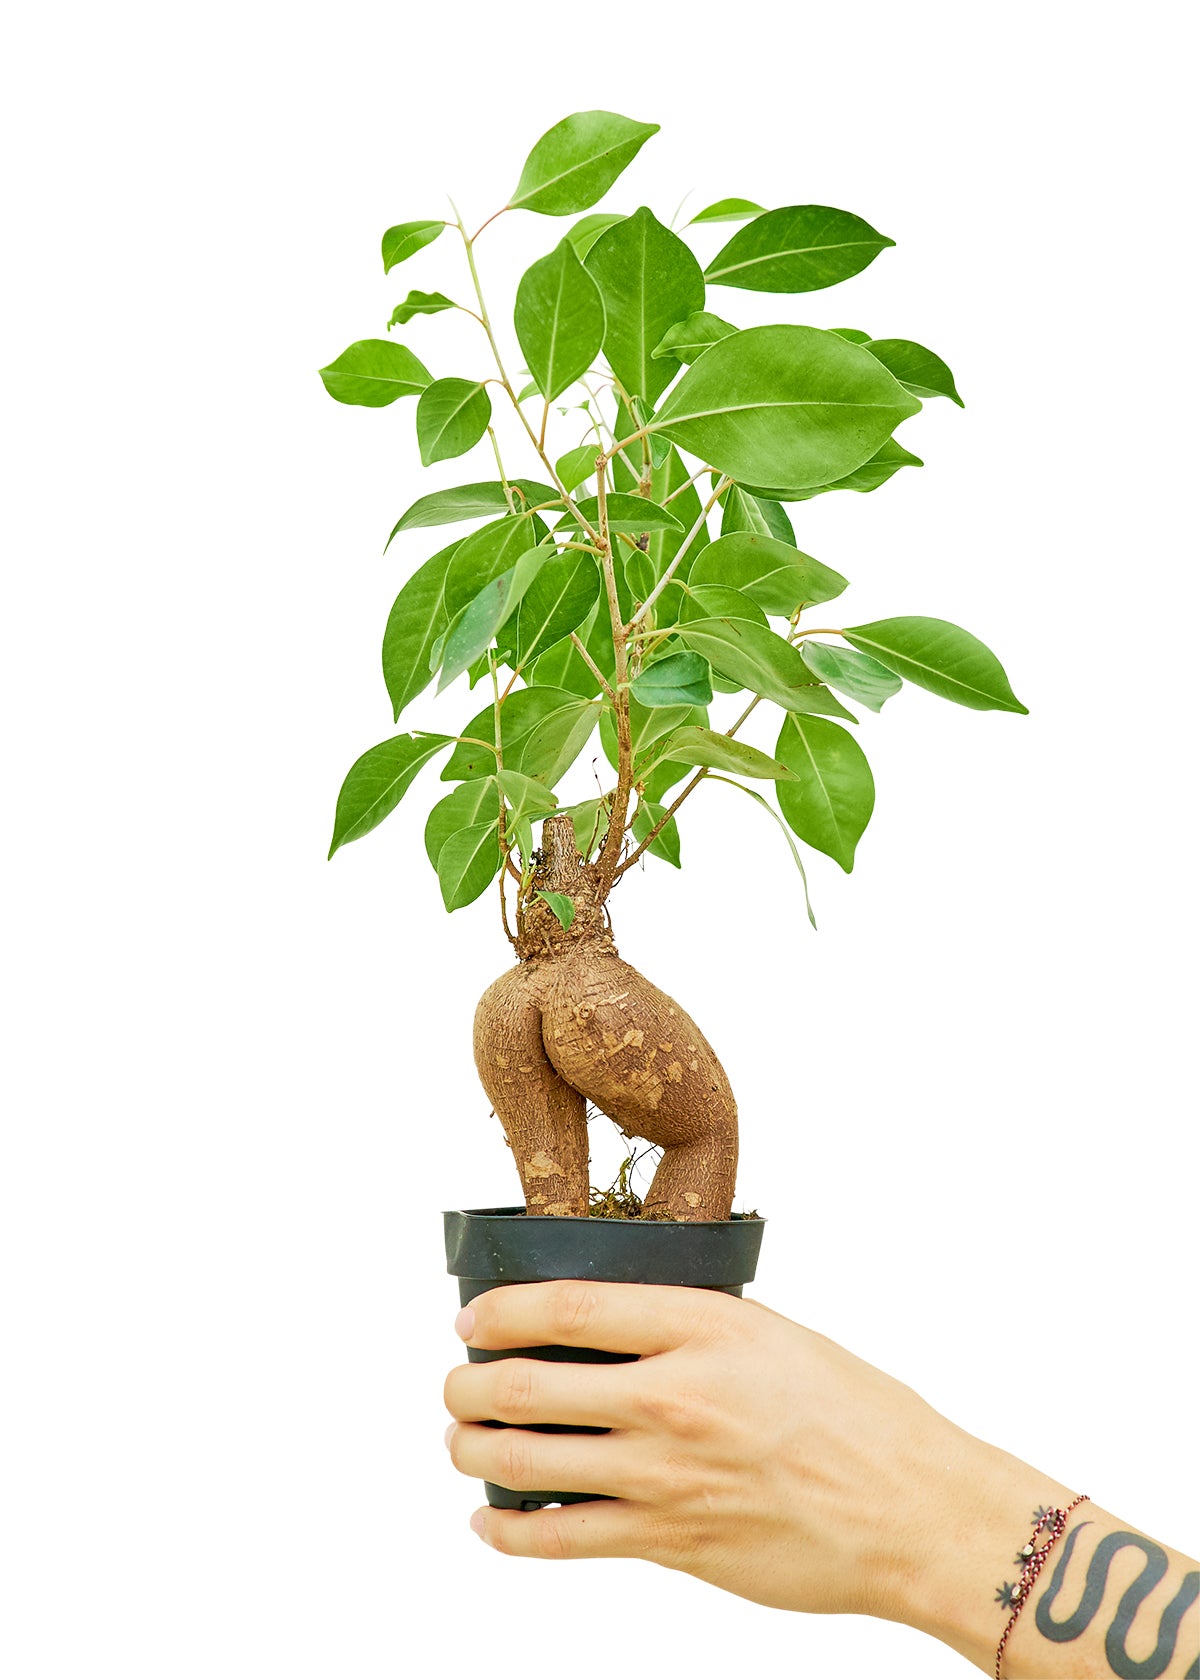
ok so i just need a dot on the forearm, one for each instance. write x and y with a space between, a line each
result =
1108 1601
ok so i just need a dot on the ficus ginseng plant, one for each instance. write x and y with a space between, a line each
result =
596 595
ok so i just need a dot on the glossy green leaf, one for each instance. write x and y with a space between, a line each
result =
557 602
665 844
884 464
778 820
800 249
452 416
759 660
468 863
561 906
941 657
718 600
853 334
785 405
559 320
485 554
772 573
563 667
588 229
470 501
377 782
404 240
417 620
471 803
830 802
917 369
373 372
691 338
526 798
633 514
575 162
419 303
648 280
522 716
474 631
854 674
678 679
553 744
728 210
577 465
706 749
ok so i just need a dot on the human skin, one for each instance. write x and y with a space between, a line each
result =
765 1459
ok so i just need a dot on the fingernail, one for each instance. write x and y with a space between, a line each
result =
449 1432
477 1522
464 1324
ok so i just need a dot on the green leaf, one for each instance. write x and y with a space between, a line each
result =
419 303
586 232
575 162
470 501
561 906
801 249
563 667
647 724
468 863
470 803
718 600
648 280
679 679
917 369
553 745
665 844
772 573
557 602
522 715
373 372
775 818
830 802
404 240
852 673
417 619
778 523
853 334
475 629
705 748
377 782
728 210
761 661
528 799
559 320
452 416
884 464
691 338
784 405
588 823
485 554
633 514
576 465
949 662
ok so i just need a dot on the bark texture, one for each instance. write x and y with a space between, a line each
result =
572 1024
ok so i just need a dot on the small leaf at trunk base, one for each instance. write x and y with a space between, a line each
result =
452 416
468 863
941 657
800 249
377 782
680 679
561 906
829 803
374 372
704 747
419 303
575 162
405 239
852 673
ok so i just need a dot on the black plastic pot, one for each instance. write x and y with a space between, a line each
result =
488 1247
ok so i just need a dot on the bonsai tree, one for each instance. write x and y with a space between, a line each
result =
646 571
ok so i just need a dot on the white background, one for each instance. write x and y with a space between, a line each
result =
243 1089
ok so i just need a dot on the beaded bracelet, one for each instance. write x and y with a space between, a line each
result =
1048 1521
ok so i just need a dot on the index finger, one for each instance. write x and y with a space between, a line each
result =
638 1318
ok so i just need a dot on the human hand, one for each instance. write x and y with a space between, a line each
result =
744 1449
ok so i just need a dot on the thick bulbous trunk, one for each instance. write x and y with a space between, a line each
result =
573 1024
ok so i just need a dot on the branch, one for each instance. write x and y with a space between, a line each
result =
615 838
661 823
592 666
662 583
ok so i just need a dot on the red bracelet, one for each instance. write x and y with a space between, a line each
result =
1048 1523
